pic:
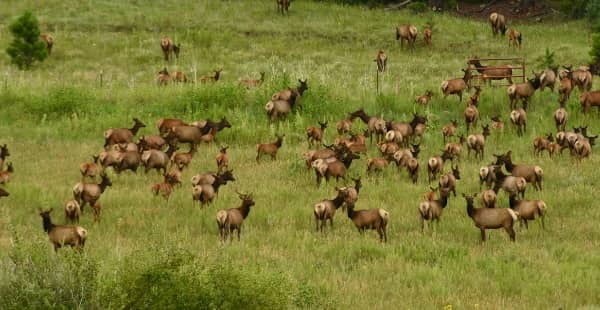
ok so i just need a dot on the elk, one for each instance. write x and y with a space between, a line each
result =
49 41
490 73
205 192
381 60
111 157
455 149
207 125
182 160
168 48
376 219
430 209
351 193
325 209
3 193
489 198
61 235
376 125
231 220
269 148
476 142
518 118
474 99
514 38
457 86
89 193
561 116
6 174
250 83
127 160
471 115
89 169
407 130
72 211
211 78
532 173
166 124
179 77
192 134
528 210
565 86
377 164
344 126
163 77
542 143
3 154
498 23
277 109
449 130
122 135
523 91
222 159
582 78
291 95
510 184
448 181
425 98
157 159
408 33
283 6
427 32
487 175
491 218
590 99
334 166
435 165
583 147
152 142
548 78
315 134
165 188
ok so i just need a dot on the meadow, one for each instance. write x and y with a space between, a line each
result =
146 253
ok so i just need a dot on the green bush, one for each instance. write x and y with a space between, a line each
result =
26 47
595 52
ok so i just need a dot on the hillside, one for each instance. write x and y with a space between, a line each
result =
147 253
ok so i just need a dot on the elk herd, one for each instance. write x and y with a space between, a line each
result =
397 142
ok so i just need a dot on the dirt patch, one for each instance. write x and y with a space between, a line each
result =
531 11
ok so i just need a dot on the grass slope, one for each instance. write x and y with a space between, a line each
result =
146 253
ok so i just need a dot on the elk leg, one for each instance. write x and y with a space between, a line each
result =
482 234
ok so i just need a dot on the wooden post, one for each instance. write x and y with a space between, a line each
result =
377 80
101 74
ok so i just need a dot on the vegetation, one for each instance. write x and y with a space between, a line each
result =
26 47
145 252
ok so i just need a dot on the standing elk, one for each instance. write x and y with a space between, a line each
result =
489 73
249 83
424 99
476 142
231 220
514 38
498 23
457 86
381 61
49 41
406 33
61 235
211 78
375 125
269 148
325 209
548 78
427 32
376 219
532 173
89 193
491 218
168 48
523 91
283 6
122 135
315 134
518 118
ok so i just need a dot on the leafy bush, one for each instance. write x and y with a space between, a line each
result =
547 60
595 52
26 47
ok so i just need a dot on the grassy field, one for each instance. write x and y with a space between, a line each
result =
149 254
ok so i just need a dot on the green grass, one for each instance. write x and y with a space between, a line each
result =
53 118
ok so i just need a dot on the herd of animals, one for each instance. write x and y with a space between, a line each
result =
397 141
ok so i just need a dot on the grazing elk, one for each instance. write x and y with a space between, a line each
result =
315 134
231 220
590 99
250 83
518 118
476 142
269 148
532 173
61 235
375 125
89 193
408 33
425 98
582 78
523 91
211 78
168 48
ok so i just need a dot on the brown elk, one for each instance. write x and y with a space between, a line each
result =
514 38
269 148
249 83
168 48
498 23
315 134
231 220
61 235
381 61
491 218
406 33
283 6
427 32
457 86
490 73
49 40
122 135
425 98
211 78
523 91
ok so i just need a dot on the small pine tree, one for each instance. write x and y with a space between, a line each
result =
26 47
547 60
595 52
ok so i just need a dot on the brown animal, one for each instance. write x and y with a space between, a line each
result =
542 143
523 91
165 125
211 78
582 78
165 188
565 86
435 165
381 61
61 235
49 40
269 148
377 164
590 99
455 149
412 166
3 154
315 134
90 169
528 210
283 6
489 198
427 32
474 100
583 147
152 142
122 135
168 48
449 130
375 125
344 126
425 98
430 209
471 115
514 38
548 78
489 73
498 23
560 117
532 173
491 218
351 193
476 142
85 193
291 95
325 209
205 193
457 86
179 77
376 219
6 174
448 181
72 211
249 83
518 118
163 77
231 220
222 159
497 123
183 160
406 33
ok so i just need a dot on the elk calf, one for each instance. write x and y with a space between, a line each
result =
514 38
518 118
315 134
269 148
425 98
49 40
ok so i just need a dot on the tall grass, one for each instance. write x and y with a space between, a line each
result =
146 253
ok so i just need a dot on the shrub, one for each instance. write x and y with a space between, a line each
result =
547 60
595 52
26 47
